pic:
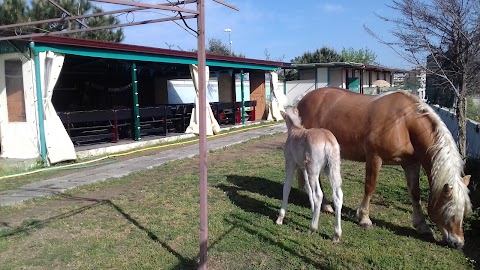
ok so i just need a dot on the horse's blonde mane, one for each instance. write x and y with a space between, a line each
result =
447 165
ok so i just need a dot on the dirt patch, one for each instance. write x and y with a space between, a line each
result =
63 205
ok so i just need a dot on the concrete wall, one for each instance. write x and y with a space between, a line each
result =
337 77
473 135
322 77
298 87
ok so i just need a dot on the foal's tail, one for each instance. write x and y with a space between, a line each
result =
332 152
332 168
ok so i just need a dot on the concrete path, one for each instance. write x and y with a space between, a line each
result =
126 167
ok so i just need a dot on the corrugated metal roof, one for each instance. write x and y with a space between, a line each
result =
120 47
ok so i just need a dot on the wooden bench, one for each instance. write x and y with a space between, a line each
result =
89 126
249 110
123 124
153 120
224 112
179 116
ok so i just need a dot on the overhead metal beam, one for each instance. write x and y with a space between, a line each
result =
227 5
66 11
155 6
91 15
69 18
97 28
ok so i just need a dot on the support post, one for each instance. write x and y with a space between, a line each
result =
328 77
41 117
136 106
202 134
243 96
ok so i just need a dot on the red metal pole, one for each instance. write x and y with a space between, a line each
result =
202 134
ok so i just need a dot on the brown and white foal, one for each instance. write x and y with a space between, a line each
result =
312 151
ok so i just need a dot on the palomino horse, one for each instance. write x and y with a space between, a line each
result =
396 129
313 151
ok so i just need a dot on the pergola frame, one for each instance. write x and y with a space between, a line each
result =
198 13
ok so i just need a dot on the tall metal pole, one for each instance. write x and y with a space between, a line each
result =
230 42
228 30
202 134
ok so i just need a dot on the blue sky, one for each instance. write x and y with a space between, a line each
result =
284 28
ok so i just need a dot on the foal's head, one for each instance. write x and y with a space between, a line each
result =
292 119
447 211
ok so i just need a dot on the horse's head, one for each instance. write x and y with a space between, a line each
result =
447 210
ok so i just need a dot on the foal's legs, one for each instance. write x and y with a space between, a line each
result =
289 172
412 174
326 205
316 196
372 167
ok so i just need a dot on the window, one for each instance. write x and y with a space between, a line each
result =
14 87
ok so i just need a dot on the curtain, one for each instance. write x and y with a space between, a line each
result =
277 99
59 144
212 124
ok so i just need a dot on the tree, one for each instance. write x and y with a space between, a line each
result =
16 11
216 46
268 57
12 11
322 55
447 32
364 56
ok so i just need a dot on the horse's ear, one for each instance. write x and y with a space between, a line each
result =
447 190
295 110
466 180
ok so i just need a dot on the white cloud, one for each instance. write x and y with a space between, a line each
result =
332 8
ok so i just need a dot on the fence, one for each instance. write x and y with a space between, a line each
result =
473 129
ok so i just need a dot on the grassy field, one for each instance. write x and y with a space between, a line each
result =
149 220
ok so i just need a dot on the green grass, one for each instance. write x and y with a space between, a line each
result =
149 220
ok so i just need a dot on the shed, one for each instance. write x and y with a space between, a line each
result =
76 74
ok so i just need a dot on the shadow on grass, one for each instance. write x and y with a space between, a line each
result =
29 225
268 236
270 189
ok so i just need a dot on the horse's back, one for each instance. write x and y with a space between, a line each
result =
362 124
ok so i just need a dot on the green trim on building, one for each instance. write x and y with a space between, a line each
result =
243 96
136 56
136 108
328 77
38 86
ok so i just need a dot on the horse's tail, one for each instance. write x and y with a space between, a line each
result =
332 153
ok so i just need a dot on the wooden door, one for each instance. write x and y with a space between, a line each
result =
257 92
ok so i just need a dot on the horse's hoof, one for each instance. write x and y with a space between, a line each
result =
336 239
279 221
327 208
425 230
312 230
366 223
